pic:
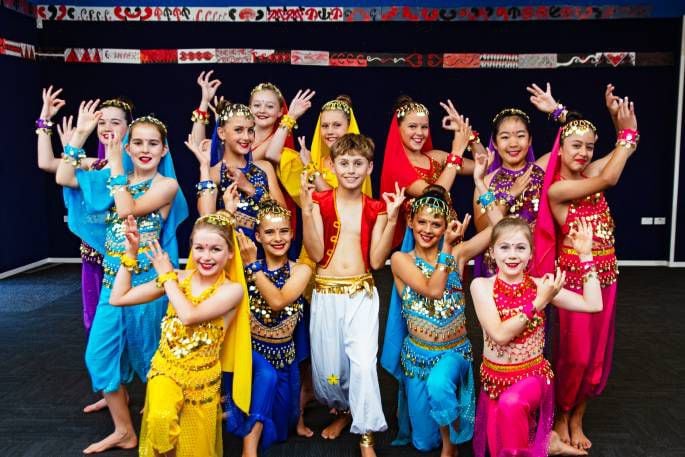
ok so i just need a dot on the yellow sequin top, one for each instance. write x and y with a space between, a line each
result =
189 354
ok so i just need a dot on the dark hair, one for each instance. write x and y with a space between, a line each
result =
353 143
509 113
123 103
345 99
401 101
572 116
437 191
511 223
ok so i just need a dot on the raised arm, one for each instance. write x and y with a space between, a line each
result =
384 228
298 106
74 155
612 103
200 116
51 106
312 224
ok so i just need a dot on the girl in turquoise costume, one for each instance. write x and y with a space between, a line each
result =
426 347
142 183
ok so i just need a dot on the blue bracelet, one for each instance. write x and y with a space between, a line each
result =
253 268
207 185
486 200
73 155
117 183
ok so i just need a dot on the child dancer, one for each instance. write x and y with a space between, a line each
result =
182 412
347 233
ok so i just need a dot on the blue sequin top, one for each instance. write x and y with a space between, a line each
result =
249 204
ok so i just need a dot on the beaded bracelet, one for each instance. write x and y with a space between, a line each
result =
73 155
473 138
288 122
486 201
118 183
445 261
628 138
200 116
207 186
253 268
129 262
559 112
44 126
505 198
168 276
453 160
529 310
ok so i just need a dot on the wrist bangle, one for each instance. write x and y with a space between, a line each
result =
559 112
44 126
73 155
129 262
207 186
505 198
628 138
529 310
117 183
473 138
486 201
453 160
288 122
200 116
253 268
168 276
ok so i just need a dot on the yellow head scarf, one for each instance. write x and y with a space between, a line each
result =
291 167
236 349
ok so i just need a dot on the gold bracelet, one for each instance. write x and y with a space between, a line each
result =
129 262
168 276
288 122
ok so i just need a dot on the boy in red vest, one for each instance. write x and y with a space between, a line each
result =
347 234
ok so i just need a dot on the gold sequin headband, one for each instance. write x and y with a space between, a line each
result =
271 208
235 109
116 103
221 219
411 107
337 105
434 205
267 86
149 120
578 127
506 112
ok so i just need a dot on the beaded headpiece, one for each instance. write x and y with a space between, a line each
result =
149 119
337 105
270 208
411 107
435 206
267 86
117 103
578 127
506 112
235 109
220 219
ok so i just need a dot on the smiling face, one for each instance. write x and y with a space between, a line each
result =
146 146
210 250
428 228
266 108
512 251
351 169
334 124
237 134
274 234
113 121
576 151
414 131
512 141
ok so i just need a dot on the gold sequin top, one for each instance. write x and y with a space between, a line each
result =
189 354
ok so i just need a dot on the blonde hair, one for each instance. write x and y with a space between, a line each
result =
220 222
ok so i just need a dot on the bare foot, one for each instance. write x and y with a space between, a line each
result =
303 430
558 447
336 427
97 406
123 440
561 428
578 438
368 451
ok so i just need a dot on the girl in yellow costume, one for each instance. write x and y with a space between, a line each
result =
206 330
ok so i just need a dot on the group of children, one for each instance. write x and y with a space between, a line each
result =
279 272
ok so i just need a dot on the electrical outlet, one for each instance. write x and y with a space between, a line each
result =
659 221
647 221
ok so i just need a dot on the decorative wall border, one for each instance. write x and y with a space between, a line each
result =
17 49
143 13
360 59
20 6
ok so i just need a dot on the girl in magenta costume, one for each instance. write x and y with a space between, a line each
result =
410 160
516 406
573 189
117 113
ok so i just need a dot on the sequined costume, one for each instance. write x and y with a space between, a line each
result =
275 372
182 411
585 342
436 378
516 404
246 215
525 205
344 326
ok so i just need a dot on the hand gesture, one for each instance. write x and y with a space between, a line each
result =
549 287
88 116
459 125
306 191
239 179
209 87
521 183
542 99
201 150
231 198
66 130
482 160
301 103
393 202
132 242
449 121
626 118
158 258
305 154
455 232
611 101
247 247
215 102
581 237
114 148
51 104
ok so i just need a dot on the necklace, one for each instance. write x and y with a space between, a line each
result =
205 294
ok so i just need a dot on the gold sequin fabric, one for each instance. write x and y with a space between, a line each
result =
89 254
496 377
